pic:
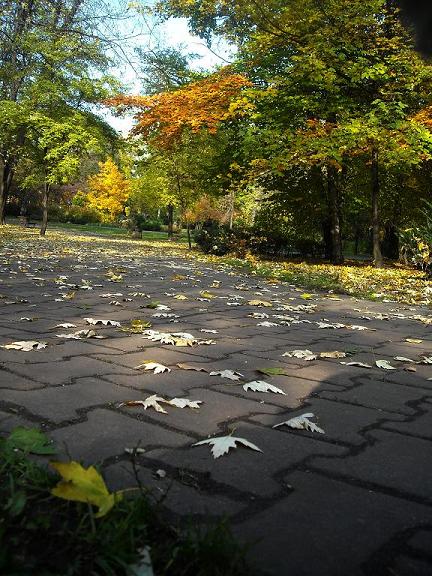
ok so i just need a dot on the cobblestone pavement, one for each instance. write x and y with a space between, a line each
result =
355 500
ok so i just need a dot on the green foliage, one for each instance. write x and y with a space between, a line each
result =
75 214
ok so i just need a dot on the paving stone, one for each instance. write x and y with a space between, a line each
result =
178 498
341 422
345 525
406 566
378 394
59 403
106 433
392 461
422 540
9 421
216 409
63 372
238 469
15 382
420 425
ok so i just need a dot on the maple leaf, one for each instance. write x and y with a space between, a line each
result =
184 366
150 402
80 335
150 365
359 364
302 354
413 340
222 444
334 354
230 374
64 325
258 315
185 403
301 423
267 324
262 386
272 371
95 321
385 364
25 345
84 485
260 303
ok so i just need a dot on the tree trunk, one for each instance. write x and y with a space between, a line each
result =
45 209
334 209
189 235
170 221
376 248
6 174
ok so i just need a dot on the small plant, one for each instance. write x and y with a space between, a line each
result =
47 529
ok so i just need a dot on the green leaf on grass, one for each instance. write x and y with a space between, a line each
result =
31 440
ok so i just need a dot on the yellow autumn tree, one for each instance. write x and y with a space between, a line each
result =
108 190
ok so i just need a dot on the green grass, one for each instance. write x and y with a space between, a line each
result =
43 535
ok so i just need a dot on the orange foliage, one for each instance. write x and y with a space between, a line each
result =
202 104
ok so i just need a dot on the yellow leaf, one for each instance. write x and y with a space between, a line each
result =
180 297
259 303
84 485
206 294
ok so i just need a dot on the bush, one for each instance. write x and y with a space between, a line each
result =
218 240
416 248
139 222
74 214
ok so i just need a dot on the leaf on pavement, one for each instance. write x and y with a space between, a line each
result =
185 366
262 386
25 345
334 354
413 340
301 423
222 444
65 325
359 364
95 321
84 485
302 354
230 374
185 403
272 371
150 402
260 303
155 366
385 364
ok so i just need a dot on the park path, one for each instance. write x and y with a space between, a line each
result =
355 500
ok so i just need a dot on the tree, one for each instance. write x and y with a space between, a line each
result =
108 190
49 51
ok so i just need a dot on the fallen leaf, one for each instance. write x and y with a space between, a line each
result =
273 371
385 364
150 402
95 321
360 364
230 374
180 297
302 354
403 359
185 403
84 485
222 444
260 303
184 366
334 354
302 423
261 386
155 366
267 324
65 325
25 345
413 340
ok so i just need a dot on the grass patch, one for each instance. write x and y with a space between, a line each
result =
43 535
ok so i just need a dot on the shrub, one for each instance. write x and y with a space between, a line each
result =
74 214
416 248
218 240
